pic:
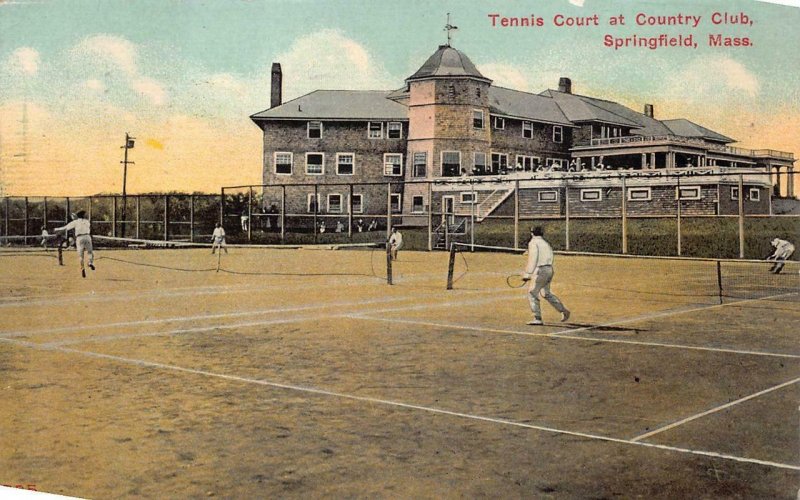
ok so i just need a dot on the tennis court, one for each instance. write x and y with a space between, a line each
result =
302 373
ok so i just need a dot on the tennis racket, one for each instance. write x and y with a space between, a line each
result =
515 281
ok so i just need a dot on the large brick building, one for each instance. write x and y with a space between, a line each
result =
449 123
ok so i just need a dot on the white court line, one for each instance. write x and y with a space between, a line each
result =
200 329
399 404
714 410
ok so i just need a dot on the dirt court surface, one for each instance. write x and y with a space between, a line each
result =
303 374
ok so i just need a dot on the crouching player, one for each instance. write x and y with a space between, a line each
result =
783 250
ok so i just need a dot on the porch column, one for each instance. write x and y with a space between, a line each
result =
671 159
652 160
778 180
644 161
592 162
790 182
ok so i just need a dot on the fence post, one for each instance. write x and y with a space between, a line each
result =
566 217
138 216
388 263
388 209
741 216
113 216
191 218
25 213
350 213
166 217
516 213
90 209
222 207
44 217
66 212
624 217
719 280
250 214
5 216
678 197
451 263
430 216
283 214
472 216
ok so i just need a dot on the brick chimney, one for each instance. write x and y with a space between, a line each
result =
565 85
277 85
648 110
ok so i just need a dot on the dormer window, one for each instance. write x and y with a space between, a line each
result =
394 130
375 130
314 130
558 133
527 130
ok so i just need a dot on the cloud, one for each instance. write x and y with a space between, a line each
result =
329 60
150 89
505 75
109 48
579 3
25 60
713 78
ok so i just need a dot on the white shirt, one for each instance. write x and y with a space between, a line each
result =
540 253
396 239
81 227
219 233
783 247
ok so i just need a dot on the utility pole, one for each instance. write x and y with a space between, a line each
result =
129 141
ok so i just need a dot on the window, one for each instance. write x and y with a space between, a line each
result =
558 133
314 130
689 193
417 204
451 163
335 203
394 130
451 91
468 198
591 194
477 91
420 168
393 164
734 193
548 196
639 194
375 130
527 163
755 194
527 130
312 204
345 163
555 163
498 123
479 163
499 163
283 163
394 201
358 204
315 163
477 118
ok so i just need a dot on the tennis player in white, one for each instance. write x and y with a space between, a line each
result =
395 242
783 250
83 238
218 239
539 271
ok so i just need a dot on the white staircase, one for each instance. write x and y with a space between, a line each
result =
490 204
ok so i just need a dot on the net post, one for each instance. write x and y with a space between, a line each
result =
388 263
624 217
430 216
741 216
719 280
451 264
60 252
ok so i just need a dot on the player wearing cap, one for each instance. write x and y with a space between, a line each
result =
783 250
83 238
539 271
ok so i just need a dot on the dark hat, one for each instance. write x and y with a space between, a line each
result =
81 214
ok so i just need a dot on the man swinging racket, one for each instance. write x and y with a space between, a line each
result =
539 271
83 238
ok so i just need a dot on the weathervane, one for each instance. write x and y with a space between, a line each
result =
448 28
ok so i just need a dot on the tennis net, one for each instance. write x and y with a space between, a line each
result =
364 259
481 265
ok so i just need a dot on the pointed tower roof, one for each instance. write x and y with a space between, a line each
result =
448 62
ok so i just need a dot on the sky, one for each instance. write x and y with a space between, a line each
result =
183 76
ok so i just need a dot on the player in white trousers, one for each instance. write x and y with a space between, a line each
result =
539 271
783 250
218 239
83 238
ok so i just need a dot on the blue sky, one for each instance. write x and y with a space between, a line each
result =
179 74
